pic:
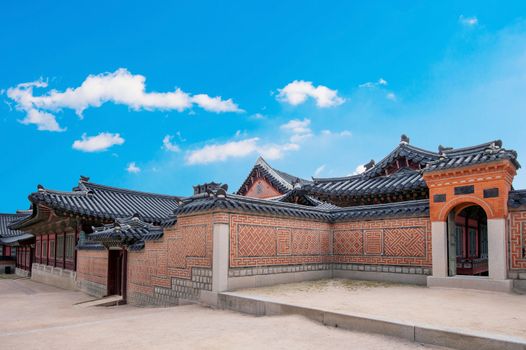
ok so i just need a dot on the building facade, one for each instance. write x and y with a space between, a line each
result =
445 218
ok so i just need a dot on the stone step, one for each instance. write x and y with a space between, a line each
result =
111 300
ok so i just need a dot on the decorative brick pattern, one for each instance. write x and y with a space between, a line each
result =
517 231
284 241
306 242
404 242
348 242
373 242
396 242
267 241
256 240
92 266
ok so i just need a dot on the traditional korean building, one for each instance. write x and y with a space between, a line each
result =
15 246
449 217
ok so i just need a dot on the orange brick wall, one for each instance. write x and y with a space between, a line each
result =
517 239
92 266
261 188
184 246
266 241
497 175
383 242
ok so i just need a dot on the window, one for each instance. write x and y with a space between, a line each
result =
459 241
472 242
44 249
52 249
70 246
483 241
60 246
37 250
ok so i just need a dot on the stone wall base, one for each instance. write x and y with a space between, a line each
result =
91 288
21 272
54 276
471 282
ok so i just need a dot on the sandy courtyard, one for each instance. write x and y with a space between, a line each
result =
488 312
36 316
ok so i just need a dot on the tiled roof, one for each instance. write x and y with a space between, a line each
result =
517 198
404 179
131 232
484 153
282 181
105 202
305 199
223 201
377 180
8 219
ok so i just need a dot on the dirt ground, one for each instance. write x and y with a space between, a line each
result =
36 316
489 312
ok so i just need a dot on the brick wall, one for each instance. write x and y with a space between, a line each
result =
176 267
266 245
517 229
401 242
92 271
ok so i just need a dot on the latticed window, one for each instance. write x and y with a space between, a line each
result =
472 242
70 246
52 248
483 241
60 246
459 239
37 250
44 248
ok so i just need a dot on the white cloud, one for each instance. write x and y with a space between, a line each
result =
101 142
468 21
300 129
359 169
343 133
391 96
297 126
238 149
168 145
119 87
298 91
221 152
319 170
371 84
133 168
257 116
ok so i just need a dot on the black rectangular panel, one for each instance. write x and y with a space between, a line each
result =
464 189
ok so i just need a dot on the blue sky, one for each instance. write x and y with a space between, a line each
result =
161 96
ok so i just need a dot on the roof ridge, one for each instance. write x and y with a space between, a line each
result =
472 148
89 184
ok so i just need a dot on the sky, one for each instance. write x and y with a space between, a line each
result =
161 96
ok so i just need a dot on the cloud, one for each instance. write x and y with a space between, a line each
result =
168 145
370 84
343 133
298 91
300 129
237 149
257 116
120 87
101 142
319 170
359 169
391 96
468 21
133 168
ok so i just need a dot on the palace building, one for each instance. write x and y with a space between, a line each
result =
449 217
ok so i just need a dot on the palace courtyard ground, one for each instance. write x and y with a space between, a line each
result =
482 312
37 316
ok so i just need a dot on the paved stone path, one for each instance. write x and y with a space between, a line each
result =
36 316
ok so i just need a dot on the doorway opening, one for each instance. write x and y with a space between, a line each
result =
468 241
117 270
